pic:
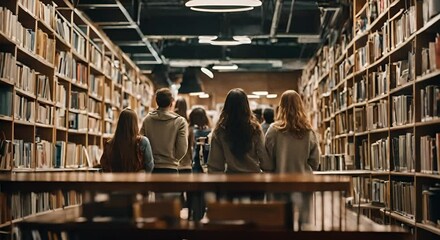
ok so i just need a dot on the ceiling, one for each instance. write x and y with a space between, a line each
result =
285 34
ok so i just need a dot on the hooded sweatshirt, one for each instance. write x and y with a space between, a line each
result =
168 135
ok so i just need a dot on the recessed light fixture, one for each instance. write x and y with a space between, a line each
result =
223 5
260 93
196 93
271 95
253 96
225 67
225 41
205 95
207 72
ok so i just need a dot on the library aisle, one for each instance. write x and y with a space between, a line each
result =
367 73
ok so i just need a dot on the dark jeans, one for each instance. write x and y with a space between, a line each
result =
164 170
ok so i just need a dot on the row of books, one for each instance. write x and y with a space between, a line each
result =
95 125
26 78
30 203
44 87
94 153
45 155
402 110
77 156
95 85
332 162
431 56
24 109
78 100
403 71
378 155
403 152
23 154
403 198
359 93
430 206
376 8
64 64
78 121
29 5
60 117
80 73
359 120
46 13
379 192
430 154
96 56
45 46
430 8
361 190
403 26
8 66
44 114
6 100
375 46
79 43
62 27
377 115
94 107
61 95
6 155
430 103
378 82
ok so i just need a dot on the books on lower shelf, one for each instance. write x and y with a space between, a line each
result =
24 109
6 100
64 64
378 155
431 56
403 195
430 154
361 190
430 103
379 192
364 160
23 154
8 66
60 117
78 100
44 88
77 155
403 71
80 72
94 107
44 114
378 82
26 38
26 78
44 154
96 56
95 125
332 162
61 95
359 91
95 153
430 206
377 115
402 153
95 85
402 110
6 154
78 121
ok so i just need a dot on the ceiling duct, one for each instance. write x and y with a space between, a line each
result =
191 81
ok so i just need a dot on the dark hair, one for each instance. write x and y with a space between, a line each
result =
238 122
164 97
123 150
258 114
198 117
268 115
181 107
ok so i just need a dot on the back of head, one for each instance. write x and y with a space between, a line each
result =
268 115
198 117
258 113
164 98
238 122
291 116
181 107
123 144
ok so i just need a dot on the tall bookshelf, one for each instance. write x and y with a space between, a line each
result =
63 84
373 97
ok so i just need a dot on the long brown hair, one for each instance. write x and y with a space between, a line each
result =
291 116
181 107
198 117
238 122
123 148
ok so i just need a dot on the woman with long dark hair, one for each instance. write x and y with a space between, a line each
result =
199 128
127 151
181 108
237 143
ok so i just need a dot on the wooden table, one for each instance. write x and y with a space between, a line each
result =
139 182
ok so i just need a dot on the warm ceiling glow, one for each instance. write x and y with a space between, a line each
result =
223 5
272 96
260 93
205 95
225 67
196 93
253 96
239 9
207 72
224 41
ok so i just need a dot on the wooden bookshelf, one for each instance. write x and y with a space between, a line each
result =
406 35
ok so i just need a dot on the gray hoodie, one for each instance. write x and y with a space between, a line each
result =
168 135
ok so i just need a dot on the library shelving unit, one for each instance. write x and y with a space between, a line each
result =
62 86
373 96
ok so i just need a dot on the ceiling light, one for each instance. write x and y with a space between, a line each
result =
196 93
205 95
225 67
271 95
253 96
207 72
222 6
260 93
224 41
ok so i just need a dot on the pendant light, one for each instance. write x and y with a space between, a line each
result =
223 5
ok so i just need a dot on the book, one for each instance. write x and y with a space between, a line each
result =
6 100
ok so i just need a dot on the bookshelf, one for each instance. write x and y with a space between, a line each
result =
372 94
55 66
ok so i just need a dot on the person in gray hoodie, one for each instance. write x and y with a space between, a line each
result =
167 132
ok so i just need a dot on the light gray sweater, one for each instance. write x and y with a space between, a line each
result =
221 158
291 154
